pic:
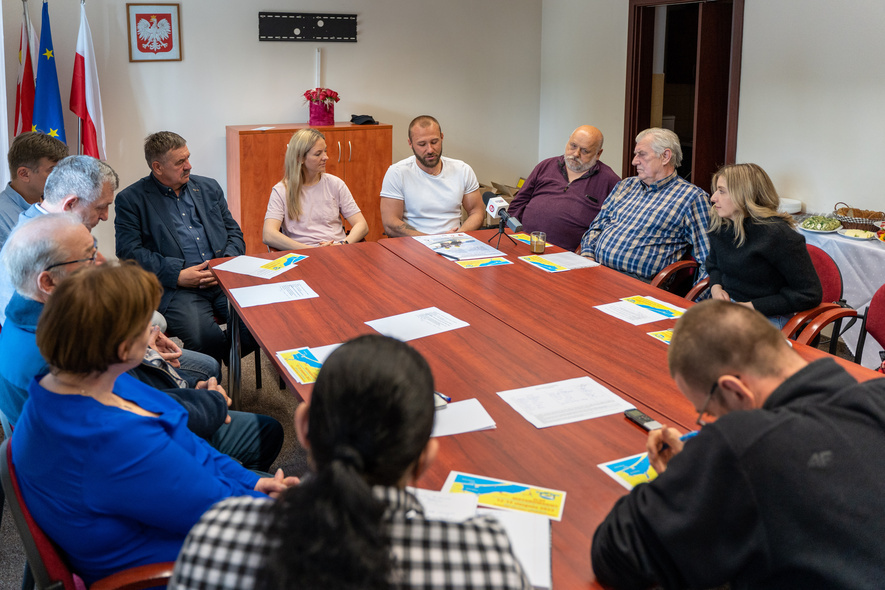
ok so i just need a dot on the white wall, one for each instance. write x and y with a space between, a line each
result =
583 74
812 97
467 62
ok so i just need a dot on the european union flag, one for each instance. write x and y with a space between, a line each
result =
48 115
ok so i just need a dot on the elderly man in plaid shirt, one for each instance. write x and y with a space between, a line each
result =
654 218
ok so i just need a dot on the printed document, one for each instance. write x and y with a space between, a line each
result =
416 324
260 267
272 293
564 402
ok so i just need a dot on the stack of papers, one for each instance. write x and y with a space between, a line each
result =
459 417
638 310
459 246
508 495
564 402
559 262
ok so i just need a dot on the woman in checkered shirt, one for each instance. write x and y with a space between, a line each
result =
351 523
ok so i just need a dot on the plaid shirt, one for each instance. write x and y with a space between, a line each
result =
644 227
227 547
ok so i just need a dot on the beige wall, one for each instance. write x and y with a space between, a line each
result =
583 74
465 61
812 98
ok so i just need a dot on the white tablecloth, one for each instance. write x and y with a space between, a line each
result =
862 263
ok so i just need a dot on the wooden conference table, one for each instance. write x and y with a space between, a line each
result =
527 327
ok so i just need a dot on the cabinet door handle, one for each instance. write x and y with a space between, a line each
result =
339 151
350 151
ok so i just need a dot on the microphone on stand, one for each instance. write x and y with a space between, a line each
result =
496 207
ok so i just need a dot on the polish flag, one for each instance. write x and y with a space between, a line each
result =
85 94
24 90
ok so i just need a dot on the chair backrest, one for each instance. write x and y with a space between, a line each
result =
875 317
47 565
829 274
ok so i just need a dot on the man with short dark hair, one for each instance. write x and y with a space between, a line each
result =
424 193
32 156
173 224
563 195
654 218
782 490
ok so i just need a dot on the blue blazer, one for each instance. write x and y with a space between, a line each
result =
146 234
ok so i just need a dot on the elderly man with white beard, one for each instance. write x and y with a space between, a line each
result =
563 195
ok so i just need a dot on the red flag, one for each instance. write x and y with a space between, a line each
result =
24 90
85 94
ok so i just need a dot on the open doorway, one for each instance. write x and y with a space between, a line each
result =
683 73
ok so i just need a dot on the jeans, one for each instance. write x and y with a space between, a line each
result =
196 366
252 439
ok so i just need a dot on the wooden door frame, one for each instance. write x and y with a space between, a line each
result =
638 96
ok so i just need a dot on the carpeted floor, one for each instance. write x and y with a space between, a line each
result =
269 400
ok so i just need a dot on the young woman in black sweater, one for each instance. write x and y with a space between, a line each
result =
756 257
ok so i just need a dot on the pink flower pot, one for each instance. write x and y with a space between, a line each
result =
321 114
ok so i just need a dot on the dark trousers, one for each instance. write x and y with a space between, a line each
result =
195 316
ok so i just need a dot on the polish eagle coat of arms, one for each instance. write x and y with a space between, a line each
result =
154 33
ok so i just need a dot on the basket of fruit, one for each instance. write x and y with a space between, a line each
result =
853 218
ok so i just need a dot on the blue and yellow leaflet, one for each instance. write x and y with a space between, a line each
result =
302 363
630 471
482 262
543 263
282 262
508 495
655 306
664 336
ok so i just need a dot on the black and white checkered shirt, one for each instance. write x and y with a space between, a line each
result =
227 548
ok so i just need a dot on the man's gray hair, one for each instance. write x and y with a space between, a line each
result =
663 139
81 176
33 246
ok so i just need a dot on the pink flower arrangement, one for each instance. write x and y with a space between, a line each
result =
323 96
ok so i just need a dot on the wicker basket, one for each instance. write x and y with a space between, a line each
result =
846 215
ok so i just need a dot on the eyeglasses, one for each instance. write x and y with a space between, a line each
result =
90 260
700 421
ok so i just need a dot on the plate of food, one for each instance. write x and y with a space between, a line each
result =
857 234
820 225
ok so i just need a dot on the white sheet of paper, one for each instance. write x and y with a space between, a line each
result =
417 324
564 402
571 260
272 293
250 265
530 538
463 416
445 505
322 352
630 313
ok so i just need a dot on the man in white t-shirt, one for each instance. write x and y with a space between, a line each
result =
423 194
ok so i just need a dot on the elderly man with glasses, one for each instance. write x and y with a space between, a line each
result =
781 488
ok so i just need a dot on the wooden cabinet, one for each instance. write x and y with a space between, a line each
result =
358 154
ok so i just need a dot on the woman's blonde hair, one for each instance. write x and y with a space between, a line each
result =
293 174
753 195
